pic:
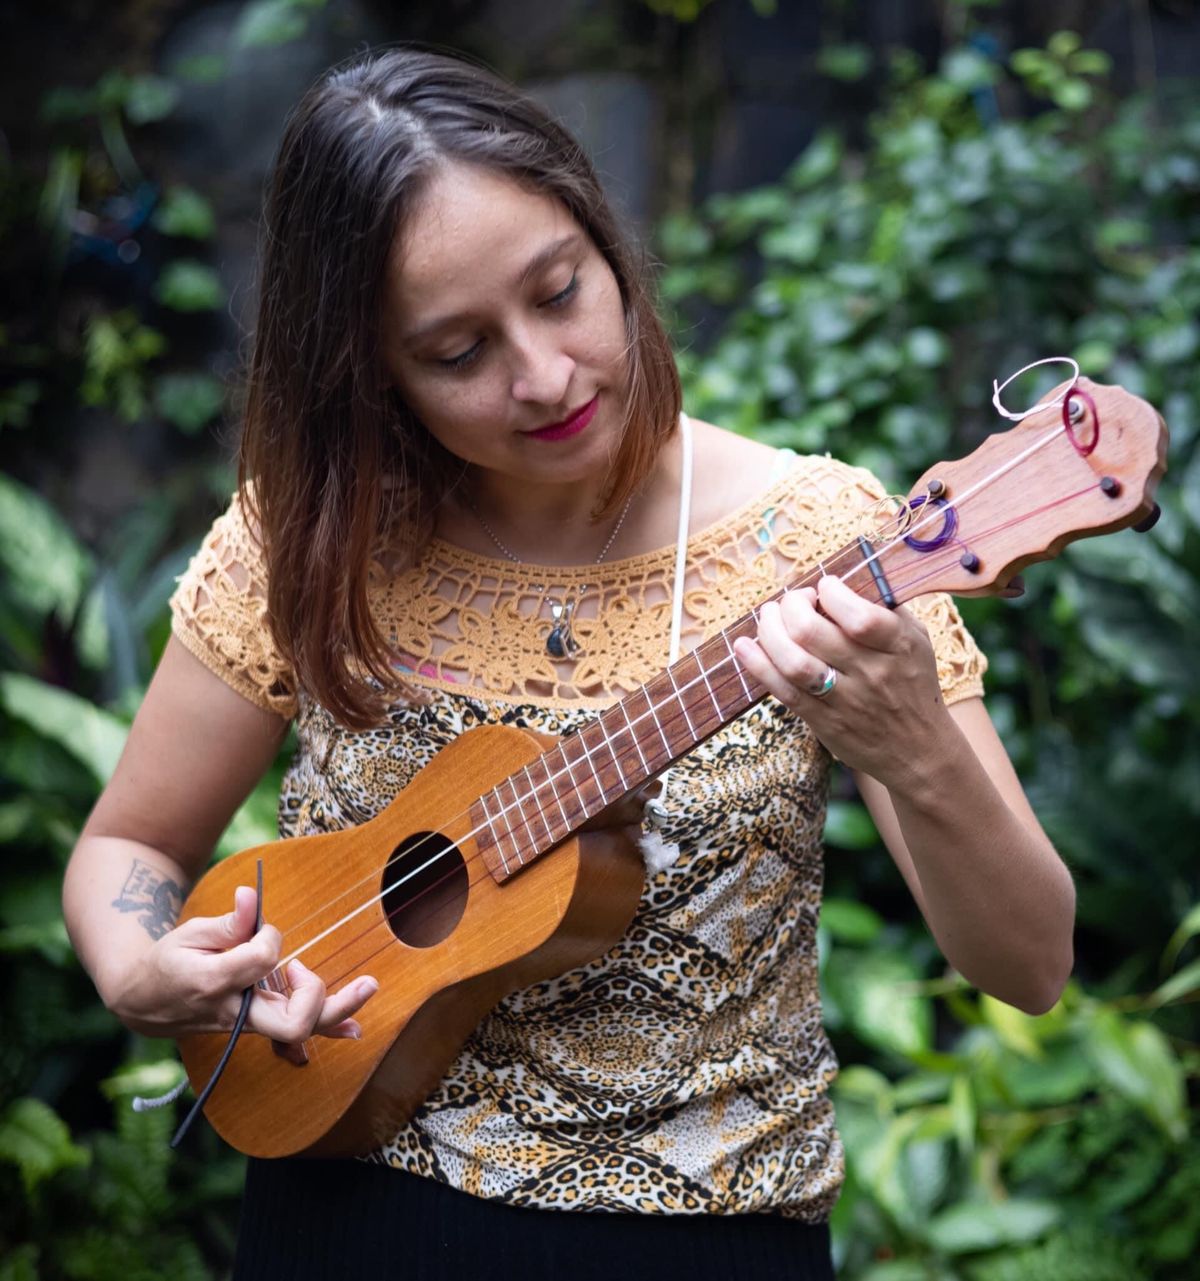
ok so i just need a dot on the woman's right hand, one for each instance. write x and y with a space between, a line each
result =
192 979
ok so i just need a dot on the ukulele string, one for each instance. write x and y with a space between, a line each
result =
936 515
979 538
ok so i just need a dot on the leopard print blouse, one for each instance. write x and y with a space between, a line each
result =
686 1071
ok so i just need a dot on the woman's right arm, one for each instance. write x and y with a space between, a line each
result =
194 752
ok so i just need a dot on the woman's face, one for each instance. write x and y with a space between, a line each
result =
504 330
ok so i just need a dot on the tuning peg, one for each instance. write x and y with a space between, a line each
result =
1013 588
1149 521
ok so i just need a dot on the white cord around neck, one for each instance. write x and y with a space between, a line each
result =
681 538
655 851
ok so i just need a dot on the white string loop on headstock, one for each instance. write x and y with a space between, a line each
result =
1017 415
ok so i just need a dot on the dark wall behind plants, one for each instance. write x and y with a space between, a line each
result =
969 186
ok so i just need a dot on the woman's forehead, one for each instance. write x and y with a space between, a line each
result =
472 228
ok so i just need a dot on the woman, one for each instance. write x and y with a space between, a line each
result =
463 475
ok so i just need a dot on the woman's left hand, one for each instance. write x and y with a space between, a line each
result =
884 707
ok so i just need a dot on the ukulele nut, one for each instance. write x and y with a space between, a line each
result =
1110 486
970 562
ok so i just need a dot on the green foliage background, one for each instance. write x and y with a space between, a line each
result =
860 305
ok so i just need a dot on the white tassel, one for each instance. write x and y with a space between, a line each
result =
657 854
140 1104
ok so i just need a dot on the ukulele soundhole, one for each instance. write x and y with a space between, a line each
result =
424 889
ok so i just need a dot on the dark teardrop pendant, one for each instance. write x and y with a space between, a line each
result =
561 642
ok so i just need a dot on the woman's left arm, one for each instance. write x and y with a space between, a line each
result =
937 781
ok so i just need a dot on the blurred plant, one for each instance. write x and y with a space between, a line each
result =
865 294
1061 70
105 233
1056 1146
109 1201
865 302
104 278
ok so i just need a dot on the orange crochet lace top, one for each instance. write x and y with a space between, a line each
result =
686 1070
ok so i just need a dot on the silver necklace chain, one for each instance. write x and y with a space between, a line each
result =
491 533
561 642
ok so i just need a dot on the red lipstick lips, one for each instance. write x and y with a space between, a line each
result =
569 426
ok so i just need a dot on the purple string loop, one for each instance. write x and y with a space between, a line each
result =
949 524
1080 449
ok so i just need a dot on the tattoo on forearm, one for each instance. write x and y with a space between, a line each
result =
153 896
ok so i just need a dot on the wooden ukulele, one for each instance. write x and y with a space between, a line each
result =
476 880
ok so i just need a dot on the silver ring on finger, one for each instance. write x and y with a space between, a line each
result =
827 685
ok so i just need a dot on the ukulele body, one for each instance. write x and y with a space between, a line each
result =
442 961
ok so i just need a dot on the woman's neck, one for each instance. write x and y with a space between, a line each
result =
556 524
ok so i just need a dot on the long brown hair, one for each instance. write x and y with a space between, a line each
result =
322 426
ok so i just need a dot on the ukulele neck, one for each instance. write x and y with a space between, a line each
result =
643 734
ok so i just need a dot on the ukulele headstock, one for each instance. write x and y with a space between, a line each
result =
1087 466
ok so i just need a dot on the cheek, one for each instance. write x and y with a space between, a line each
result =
612 338
455 413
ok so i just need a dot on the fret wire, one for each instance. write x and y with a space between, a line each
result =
658 723
491 828
695 686
616 757
668 701
549 782
578 789
727 675
633 735
704 677
682 706
737 667
506 837
583 803
592 764
537 804
612 751
516 801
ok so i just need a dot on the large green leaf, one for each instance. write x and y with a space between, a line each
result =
877 991
970 1227
850 922
43 564
1137 1061
90 734
1016 1029
34 1138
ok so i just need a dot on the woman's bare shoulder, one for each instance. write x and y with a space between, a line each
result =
730 471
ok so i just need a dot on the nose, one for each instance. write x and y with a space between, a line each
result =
541 369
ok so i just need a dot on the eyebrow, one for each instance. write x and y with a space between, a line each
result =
539 260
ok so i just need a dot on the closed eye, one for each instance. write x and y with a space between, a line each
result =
463 358
560 299
564 296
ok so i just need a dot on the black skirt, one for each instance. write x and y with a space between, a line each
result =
321 1220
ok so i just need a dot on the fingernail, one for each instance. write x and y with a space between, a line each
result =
367 987
355 1032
